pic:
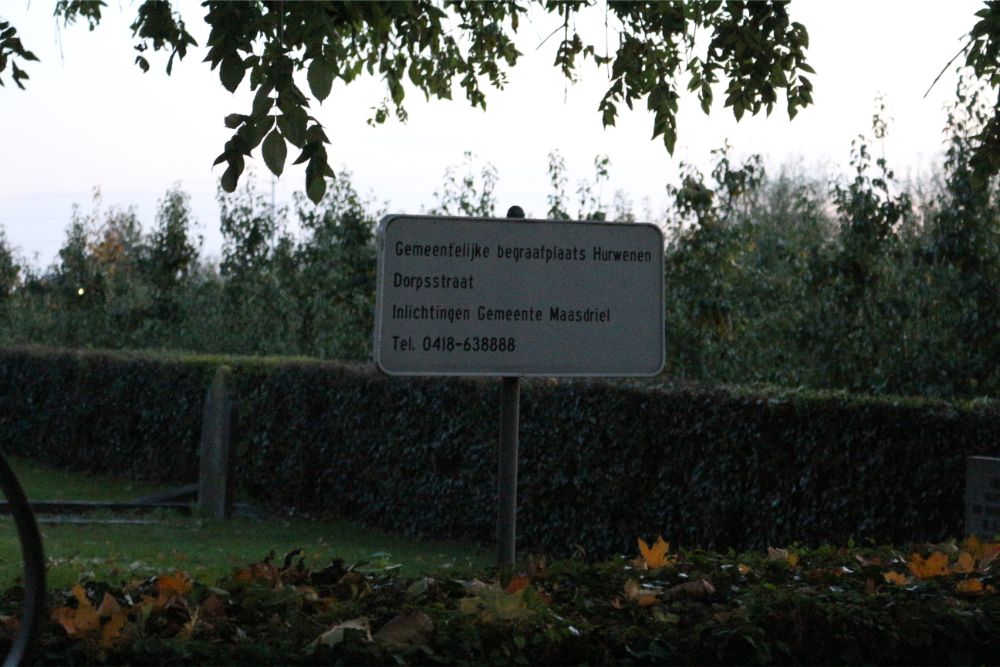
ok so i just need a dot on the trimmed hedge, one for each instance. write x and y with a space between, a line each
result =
600 462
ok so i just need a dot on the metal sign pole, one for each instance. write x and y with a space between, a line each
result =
510 400
510 391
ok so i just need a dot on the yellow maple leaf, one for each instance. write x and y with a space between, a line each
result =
935 565
655 556
984 552
972 545
896 578
81 620
104 623
966 563
112 632
970 586
168 587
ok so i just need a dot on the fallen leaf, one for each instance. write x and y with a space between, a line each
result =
169 590
112 631
187 630
517 583
693 590
643 597
896 578
335 635
656 556
178 583
213 606
868 562
80 620
490 604
406 630
743 569
476 587
791 558
974 586
420 587
667 617
935 565
104 624
966 563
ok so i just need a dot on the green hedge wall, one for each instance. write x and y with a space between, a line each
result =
134 415
601 463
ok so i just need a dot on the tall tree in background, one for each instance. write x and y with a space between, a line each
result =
259 274
10 271
172 252
337 260
426 46
466 193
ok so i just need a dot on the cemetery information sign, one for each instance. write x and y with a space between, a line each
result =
485 296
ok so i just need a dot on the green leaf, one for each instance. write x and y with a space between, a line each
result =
234 120
275 152
608 115
259 129
315 134
320 78
396 90
232 175
315 186
262 101
231 72
292 124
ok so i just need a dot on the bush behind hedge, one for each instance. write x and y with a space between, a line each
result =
600 462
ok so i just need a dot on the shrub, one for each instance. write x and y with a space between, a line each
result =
600 461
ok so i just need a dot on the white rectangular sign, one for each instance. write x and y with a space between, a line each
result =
488 296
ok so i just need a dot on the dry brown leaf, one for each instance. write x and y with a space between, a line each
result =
692 590
644 597
518 583
791 558
406 630
335 635
213 606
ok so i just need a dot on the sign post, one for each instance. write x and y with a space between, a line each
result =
510 407
540 298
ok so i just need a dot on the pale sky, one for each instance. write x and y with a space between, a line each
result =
90 117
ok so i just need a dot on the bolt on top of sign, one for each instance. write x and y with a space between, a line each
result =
500 296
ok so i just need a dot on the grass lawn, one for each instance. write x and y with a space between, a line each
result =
206 549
